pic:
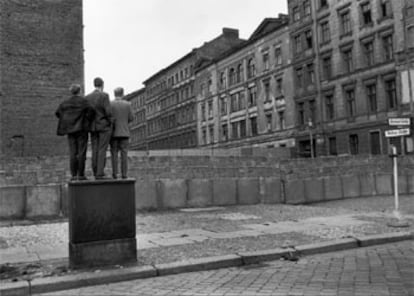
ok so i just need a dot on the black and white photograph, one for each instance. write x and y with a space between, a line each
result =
207 148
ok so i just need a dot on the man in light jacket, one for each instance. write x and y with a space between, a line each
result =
122 114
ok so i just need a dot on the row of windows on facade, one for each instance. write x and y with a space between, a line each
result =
138 102
306 110
240 130
374 142
305 75
345 21
179 117
181 75
181 141
138 134
171 99
236 74
365 10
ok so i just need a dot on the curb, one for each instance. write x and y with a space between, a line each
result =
52 284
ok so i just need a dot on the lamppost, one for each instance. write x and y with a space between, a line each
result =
310 125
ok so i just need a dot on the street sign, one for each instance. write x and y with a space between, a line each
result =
399 121
397 132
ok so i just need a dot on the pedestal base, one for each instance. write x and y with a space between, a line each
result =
102 223
100 253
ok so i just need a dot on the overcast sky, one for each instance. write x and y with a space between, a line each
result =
127 41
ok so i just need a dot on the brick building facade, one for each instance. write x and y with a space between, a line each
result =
170 95
41 54
139 123
347 83
325 82
245 95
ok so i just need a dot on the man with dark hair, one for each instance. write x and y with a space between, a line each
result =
100 127
122 113
74 115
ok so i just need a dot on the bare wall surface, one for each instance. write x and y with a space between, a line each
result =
31 187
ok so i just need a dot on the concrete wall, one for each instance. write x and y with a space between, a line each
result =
31 188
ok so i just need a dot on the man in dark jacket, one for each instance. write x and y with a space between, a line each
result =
100 128
74 114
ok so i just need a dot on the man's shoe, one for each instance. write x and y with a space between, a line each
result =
115 177
124 177
74 178
82 178
101 177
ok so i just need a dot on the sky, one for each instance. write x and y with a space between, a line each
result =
127 41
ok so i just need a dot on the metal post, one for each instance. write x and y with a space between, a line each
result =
395 169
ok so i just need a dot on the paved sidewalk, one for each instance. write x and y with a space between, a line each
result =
37 250
386 270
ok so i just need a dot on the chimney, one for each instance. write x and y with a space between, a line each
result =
231 33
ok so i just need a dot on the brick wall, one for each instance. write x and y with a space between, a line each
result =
41 54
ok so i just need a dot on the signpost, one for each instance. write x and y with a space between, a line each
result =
402 130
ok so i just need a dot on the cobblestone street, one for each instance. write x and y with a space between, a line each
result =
380 270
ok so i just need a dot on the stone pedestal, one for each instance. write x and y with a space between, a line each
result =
102 223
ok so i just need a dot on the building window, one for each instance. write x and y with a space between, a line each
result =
311 74
309 39
346 28
204 137
306 7
210 109
332 146
410 35
235 130
234 104
242 100
240 73
232 76
353 144
386 9
279 86
327 67
222 79
312 111
301 113
243 128
388 47
371 91
266 89
266 61
297 44
366 14
224 132
391 94
203 112
251 69
278 56
252 93
375 141
282 124
299 77
269 122
211 133
223 106
369 53
350 102
329 107
323 3
253 125
325 32
347 60
296 13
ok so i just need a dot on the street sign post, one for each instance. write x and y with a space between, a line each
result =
399 121
397 132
